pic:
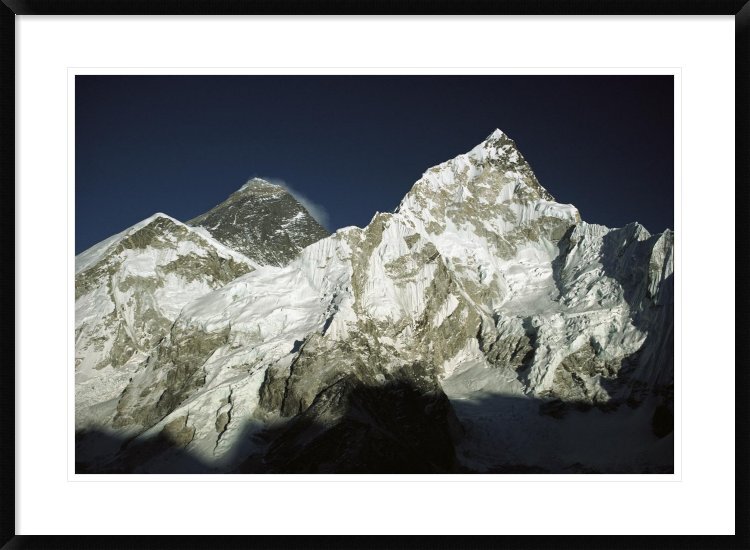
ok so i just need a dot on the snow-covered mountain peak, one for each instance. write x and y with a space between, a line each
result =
490 190
157 224
495 146
497 133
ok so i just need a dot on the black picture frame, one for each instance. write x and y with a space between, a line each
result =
9 540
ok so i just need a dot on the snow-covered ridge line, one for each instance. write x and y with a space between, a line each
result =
92 255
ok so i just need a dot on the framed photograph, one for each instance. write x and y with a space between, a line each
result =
354 275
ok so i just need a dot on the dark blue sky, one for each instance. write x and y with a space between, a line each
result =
355 145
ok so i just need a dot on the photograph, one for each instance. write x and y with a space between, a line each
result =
388 280
374 274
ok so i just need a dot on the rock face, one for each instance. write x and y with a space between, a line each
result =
481 327
263 222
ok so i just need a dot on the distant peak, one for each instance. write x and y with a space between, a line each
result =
159 215
153 218
260 183
498 140
498 144
496 134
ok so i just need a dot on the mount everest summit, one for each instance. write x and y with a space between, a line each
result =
480 327
262 221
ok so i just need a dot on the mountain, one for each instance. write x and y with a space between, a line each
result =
481 327
131 287
263 221
129 290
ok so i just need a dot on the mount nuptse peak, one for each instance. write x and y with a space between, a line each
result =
263 221
481 327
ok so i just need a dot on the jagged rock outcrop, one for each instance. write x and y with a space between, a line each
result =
482 326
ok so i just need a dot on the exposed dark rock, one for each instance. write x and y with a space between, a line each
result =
264 222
